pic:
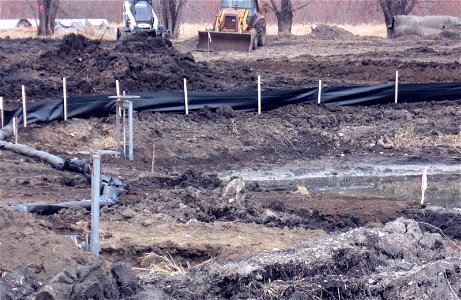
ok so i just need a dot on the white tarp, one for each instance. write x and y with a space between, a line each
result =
7 24
427 25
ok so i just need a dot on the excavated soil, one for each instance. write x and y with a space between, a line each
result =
183 232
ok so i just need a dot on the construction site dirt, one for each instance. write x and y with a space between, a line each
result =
190 227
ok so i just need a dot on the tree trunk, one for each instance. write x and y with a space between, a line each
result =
53 10
41 29
285 21
178 17
171 15
284 16
47 10
386 7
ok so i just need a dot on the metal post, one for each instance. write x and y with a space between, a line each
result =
123 102
124 128
95 193
117 115
130 130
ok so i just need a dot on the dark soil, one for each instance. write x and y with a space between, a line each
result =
91 67
185 236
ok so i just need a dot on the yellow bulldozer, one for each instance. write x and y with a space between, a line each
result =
240 25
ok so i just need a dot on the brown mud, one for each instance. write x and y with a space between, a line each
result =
189 234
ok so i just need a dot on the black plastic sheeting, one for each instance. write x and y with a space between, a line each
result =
101 106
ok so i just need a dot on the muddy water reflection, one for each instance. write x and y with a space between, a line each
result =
443 189
397 181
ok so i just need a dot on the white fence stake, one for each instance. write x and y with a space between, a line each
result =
24 109
1 111
423 185
259 95
186 100
15 129
64 91
319 99
396 86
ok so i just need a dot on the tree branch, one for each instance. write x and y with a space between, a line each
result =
302 6
411 6
275 9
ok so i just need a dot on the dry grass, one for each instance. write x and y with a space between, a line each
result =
408 138
159 264
188 31
19 33
91 32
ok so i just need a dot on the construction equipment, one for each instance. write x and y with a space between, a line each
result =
139 16
240 25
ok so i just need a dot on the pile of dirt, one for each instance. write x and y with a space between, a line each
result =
328 32
207 201
91 67
395 261
91 281
27 242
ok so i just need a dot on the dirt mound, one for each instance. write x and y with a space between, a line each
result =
452 35
75 43
421 50
92 281
91 67
360 264
140 42
189 178
328 32
26 241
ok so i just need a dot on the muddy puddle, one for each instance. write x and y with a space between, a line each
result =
396 181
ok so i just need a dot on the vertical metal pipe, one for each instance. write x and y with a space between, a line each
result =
130 130
117 116
117 124
124 131
95 193
124 128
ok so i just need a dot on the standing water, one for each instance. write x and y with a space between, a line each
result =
395 181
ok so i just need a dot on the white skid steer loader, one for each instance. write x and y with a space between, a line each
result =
139 16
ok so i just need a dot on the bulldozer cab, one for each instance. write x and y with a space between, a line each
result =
250 5
142 11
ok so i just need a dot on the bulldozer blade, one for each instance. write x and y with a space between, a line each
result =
213 40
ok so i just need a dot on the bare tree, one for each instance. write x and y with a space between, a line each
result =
285 13
47 10
393 8
171 14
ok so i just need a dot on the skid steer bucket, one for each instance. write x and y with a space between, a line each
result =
214 40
